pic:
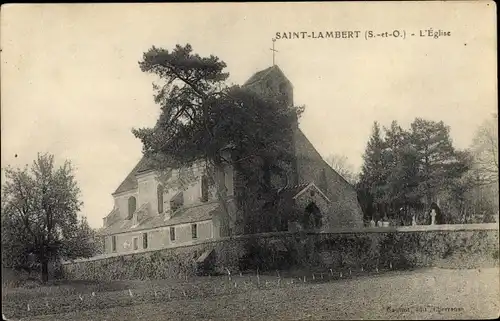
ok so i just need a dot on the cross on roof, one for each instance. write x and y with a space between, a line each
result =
273 50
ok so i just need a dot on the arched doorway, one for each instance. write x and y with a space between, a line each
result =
312 217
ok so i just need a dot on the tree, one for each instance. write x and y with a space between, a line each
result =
467 202
203 121
438 162
401 190
39 213
84 243
485 151
474 197
15 242
342 166
373 175
407 170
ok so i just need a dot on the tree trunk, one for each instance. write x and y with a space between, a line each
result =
220 188
45 270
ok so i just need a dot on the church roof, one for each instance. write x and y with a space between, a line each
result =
306 150
263 74
295 191
130 182
193 214
290 192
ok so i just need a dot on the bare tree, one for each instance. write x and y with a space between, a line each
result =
342 166
485 151
484 170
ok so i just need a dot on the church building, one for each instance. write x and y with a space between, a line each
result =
146 216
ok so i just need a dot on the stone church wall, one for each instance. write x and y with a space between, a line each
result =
345 208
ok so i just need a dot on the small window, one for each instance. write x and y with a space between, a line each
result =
144 240
113 243
104 244
194 231
172 234
159 194
136 243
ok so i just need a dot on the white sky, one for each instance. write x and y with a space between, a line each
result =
71 84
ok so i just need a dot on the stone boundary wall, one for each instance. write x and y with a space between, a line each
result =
460 246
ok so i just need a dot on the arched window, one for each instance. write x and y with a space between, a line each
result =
159 194
131 207
204 188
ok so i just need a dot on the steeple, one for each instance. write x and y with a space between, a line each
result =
271 82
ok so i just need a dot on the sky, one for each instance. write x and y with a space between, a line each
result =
71 85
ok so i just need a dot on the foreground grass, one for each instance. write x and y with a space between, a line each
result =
424 294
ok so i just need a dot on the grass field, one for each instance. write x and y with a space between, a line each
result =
423 294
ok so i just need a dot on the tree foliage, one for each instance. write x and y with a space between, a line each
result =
406 171
479 201
39 215
485 151
84 243
373 173
205 121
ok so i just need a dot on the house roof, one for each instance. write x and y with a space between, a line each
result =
183 216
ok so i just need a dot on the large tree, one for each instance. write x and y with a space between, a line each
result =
201 118
438 161
401 189
39 214
373 175
407 170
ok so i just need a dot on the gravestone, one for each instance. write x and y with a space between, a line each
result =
433 217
